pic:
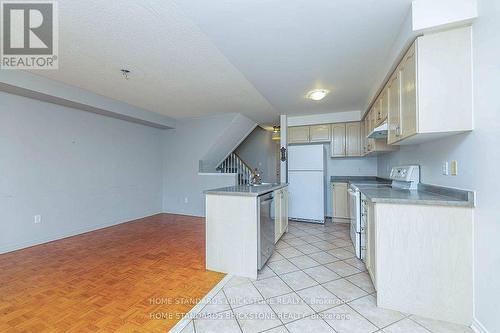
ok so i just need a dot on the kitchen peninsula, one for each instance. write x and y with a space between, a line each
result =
242 225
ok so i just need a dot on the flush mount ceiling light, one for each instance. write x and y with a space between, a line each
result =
317 94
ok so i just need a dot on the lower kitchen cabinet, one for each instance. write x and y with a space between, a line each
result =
368 224
420 259
281 212
340 201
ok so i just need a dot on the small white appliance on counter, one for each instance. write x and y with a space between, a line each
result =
306 179
402 177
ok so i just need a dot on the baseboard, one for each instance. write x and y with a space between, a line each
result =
67 234
198 307
183 214
477 327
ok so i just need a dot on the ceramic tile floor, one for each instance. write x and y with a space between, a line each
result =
312 283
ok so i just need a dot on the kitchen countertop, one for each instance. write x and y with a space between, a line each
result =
246 190
424 195
417 197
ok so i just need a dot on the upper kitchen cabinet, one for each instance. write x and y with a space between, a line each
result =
337 144
307 134
299 134
430 92
383 107
353 139
319 133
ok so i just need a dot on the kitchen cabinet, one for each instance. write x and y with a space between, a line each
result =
383 107
319 133
423 266
379 146
340 201
369 225
239 229
298 134
307 134
431 92
394 89
281 212
337 144
408 110
353 139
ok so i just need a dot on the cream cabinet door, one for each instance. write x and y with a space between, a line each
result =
370 229
362 138
284 210
408 95
384 104
278 219
319 133
299 134
374 114
394 112
340 203
337 144
353 139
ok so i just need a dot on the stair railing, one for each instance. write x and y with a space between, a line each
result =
234 164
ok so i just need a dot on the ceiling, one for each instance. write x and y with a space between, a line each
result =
191 58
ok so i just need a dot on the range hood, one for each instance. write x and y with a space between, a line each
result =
379 132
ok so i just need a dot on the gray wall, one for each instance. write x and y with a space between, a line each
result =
258 150
478 157
350 166
79 170
184 146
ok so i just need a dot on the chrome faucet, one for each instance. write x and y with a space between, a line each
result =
256 177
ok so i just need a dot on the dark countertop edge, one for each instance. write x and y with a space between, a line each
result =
220 191
347 179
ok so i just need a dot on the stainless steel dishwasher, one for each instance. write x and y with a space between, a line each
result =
265 240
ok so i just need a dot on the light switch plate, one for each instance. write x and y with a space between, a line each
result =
454 168
445 169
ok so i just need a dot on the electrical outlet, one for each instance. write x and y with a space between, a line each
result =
37 219
445 169
454 168
186 200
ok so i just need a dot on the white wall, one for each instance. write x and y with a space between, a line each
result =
326 118
258 150
80 171
478 156
430 157
184 146
349 166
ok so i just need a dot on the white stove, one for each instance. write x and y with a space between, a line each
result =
402 177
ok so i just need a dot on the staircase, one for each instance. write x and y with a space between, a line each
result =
234 164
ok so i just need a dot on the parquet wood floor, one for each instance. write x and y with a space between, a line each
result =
133 277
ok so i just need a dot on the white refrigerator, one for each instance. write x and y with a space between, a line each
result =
306 178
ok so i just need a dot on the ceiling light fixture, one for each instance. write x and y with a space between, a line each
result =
125 73
317 94
276 133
